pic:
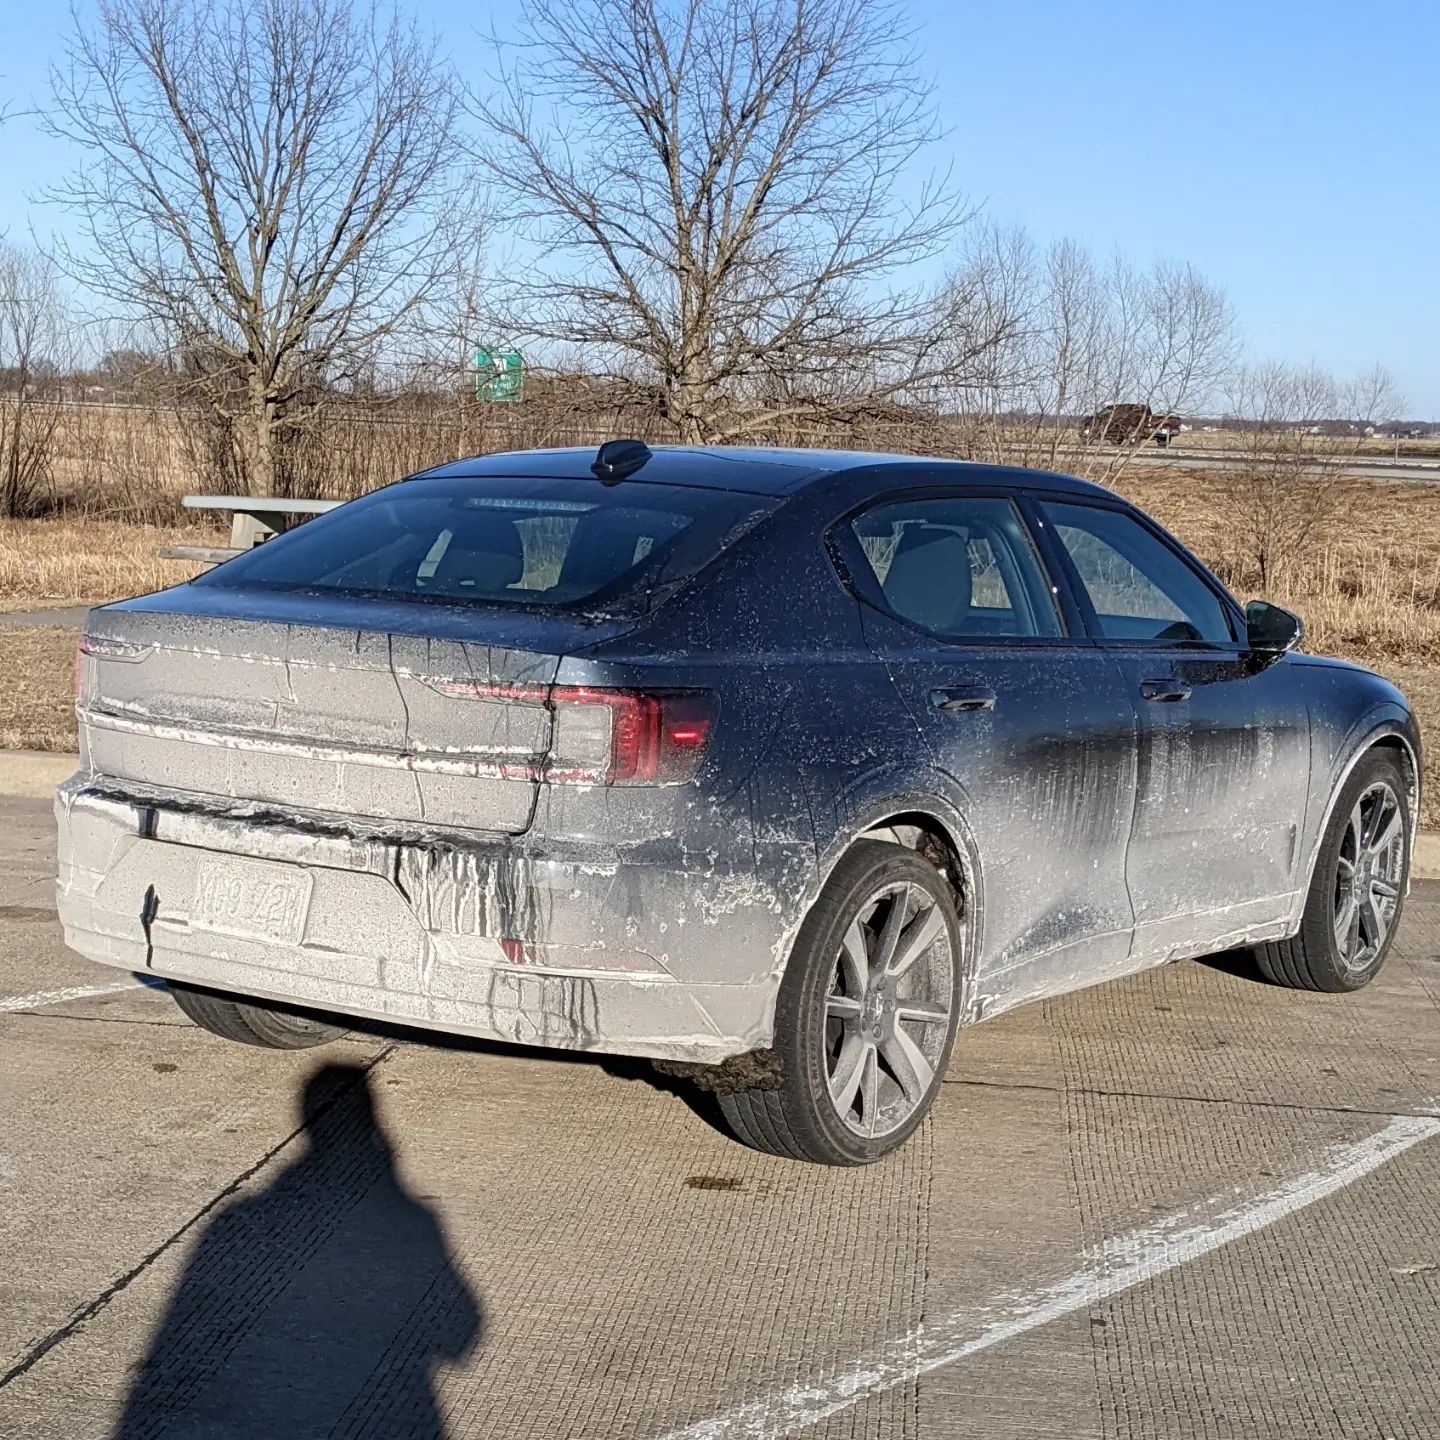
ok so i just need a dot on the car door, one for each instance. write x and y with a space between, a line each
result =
1029 721
1224 747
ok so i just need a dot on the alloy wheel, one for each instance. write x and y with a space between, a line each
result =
1369 873
887 1015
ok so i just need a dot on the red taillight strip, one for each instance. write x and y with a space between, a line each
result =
656 737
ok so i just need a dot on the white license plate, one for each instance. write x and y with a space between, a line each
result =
246 897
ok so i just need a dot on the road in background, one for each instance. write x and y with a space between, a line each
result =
1367 467
1183 1204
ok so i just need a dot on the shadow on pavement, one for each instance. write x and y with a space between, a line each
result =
701 1103
321 1304
1238 963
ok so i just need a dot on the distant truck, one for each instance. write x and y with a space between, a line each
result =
1130 425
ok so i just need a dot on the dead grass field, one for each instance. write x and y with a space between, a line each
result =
70 562
1371 447
37 705
1367 587
1369 591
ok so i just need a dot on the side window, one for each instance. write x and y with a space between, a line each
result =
1139 588
961 568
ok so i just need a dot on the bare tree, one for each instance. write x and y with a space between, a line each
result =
35 353
1298 430
264 179
1073 338
710 189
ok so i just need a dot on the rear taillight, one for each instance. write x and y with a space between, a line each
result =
607 737
627 737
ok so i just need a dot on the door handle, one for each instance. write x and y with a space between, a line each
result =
963 697
1168 690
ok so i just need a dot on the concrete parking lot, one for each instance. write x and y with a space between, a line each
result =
1184 1204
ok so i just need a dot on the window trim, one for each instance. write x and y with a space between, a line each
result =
1059 558
858 576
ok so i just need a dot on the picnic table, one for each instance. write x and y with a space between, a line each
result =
253 519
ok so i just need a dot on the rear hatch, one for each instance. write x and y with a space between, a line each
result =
391 662
391 728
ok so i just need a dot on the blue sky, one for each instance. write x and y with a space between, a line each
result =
1288 151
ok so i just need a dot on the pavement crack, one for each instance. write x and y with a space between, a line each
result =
80 1316
53 1015
1247 1103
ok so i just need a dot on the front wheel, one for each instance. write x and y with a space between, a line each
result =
866 1014
1358 889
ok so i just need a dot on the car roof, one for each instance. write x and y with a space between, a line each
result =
754 470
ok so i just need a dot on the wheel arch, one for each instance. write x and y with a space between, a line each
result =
1400 744
935 829
929 836
1386 734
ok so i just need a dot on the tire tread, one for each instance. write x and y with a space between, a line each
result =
252 1022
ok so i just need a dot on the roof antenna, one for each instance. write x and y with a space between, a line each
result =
619 459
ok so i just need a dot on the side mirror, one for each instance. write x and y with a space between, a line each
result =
1271 629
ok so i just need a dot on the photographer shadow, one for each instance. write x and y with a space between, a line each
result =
320 1304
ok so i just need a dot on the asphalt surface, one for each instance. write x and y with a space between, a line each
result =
1178 457
1183 1204
1368 467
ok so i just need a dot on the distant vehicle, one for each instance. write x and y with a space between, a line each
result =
783 763
1130 425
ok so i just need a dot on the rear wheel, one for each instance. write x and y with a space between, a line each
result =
1358 890
255 1022
866 1015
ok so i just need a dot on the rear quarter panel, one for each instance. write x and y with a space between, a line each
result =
810 745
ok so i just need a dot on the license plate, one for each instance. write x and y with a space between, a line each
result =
243 897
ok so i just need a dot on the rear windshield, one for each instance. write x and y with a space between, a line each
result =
496 541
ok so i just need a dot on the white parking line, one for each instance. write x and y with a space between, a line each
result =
1121 1263
56 997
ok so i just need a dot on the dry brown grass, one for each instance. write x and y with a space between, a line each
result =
135 462
1373 447
1368 585
45 563
58 562
37 704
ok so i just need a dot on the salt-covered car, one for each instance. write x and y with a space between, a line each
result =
780 765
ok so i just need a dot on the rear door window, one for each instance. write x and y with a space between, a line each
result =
525 542
961 567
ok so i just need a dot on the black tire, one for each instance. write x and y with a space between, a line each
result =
794 1116
255 1022
1312 958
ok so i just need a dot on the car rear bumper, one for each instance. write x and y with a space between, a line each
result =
579 952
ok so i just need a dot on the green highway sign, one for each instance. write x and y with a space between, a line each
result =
499 374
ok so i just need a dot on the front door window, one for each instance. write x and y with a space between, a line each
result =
1139 588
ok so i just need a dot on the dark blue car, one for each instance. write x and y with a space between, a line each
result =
779 764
